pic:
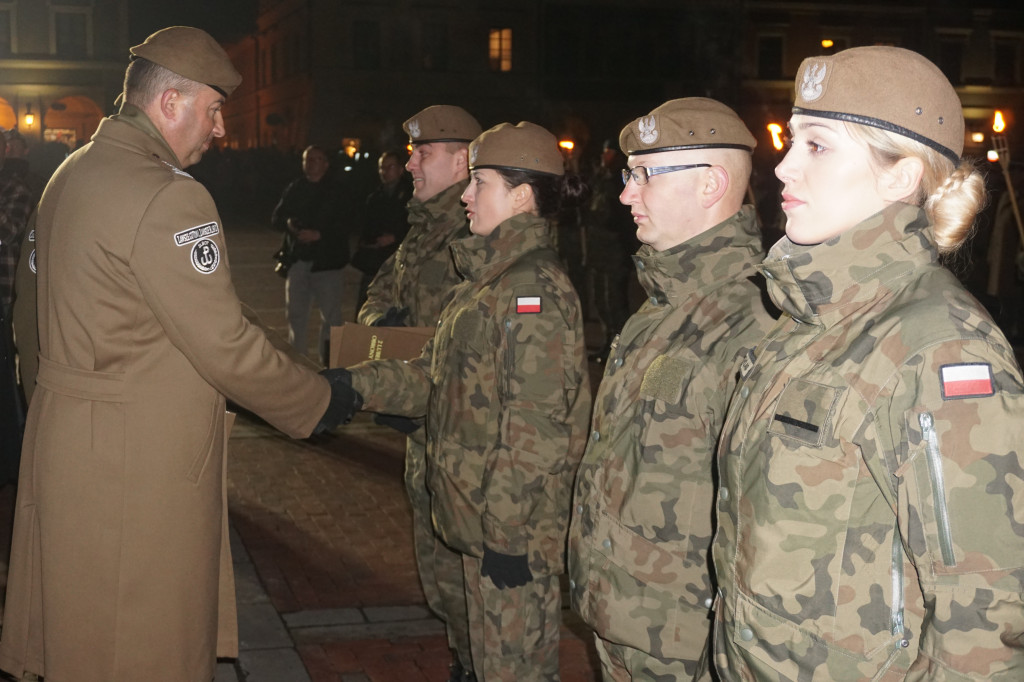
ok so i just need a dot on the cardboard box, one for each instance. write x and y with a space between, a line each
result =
354 343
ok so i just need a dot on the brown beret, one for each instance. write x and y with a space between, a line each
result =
192 53
441 123
526 147
886 87
687 123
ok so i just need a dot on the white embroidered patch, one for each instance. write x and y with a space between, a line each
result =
31 235
811 88
414 129
196 233
32 261
205 256
647 130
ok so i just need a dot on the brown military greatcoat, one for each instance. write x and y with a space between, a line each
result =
119 530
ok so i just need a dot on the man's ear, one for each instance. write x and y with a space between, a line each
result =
902 181
462 160
716 184
170 104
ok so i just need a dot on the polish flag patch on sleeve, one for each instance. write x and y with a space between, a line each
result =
970 380
527 304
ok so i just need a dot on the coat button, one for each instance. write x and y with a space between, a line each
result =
572 584
708 602
579 508
654 300
746 634
744 392
607 543
617 362
595 435
724 494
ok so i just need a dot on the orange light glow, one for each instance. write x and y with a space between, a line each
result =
998 122
776 130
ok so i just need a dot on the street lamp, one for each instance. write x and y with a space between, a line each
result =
776 130
30 118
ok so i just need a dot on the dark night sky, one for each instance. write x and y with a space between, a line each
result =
224 19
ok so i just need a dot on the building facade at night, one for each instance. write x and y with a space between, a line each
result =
350 71
61 66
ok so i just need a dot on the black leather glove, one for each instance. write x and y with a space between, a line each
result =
345 400
394 317
404 425
505 570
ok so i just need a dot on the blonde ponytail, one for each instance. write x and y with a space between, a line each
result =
951 197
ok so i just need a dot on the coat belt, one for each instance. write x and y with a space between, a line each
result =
81 383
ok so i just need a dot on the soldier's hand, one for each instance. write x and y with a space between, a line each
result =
345 400
404 425
505 570
394 317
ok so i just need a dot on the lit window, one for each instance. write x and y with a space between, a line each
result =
500 49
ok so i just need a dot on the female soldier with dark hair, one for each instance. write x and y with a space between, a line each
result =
505 390
871 509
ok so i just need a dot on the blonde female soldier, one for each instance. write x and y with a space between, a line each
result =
871 509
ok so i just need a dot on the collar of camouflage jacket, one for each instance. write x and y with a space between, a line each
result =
446 204
823 283
704 262
136 118
477 257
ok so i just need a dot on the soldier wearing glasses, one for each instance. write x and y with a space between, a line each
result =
641 525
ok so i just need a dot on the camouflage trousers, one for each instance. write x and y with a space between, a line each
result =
620 663
440 568
514 632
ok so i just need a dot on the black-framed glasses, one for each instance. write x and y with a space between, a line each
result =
641 174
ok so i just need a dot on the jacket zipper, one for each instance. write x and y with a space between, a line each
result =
927 423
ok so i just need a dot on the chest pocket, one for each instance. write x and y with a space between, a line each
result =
665 379
805 412
433 273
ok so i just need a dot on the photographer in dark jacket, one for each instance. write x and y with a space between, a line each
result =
315 250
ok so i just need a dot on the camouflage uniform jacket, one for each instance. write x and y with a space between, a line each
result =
641 526
505 389
871 511
421 273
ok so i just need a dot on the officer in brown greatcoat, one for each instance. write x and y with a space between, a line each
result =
119 532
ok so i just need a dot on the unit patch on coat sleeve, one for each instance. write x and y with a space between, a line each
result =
527 304
967 380
196 233
205 256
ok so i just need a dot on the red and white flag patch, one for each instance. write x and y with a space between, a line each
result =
969 380
527 304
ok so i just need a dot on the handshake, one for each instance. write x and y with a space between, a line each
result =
346 401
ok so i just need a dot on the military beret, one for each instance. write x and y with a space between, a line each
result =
442 123
687 123
192 53
525 146
885 87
